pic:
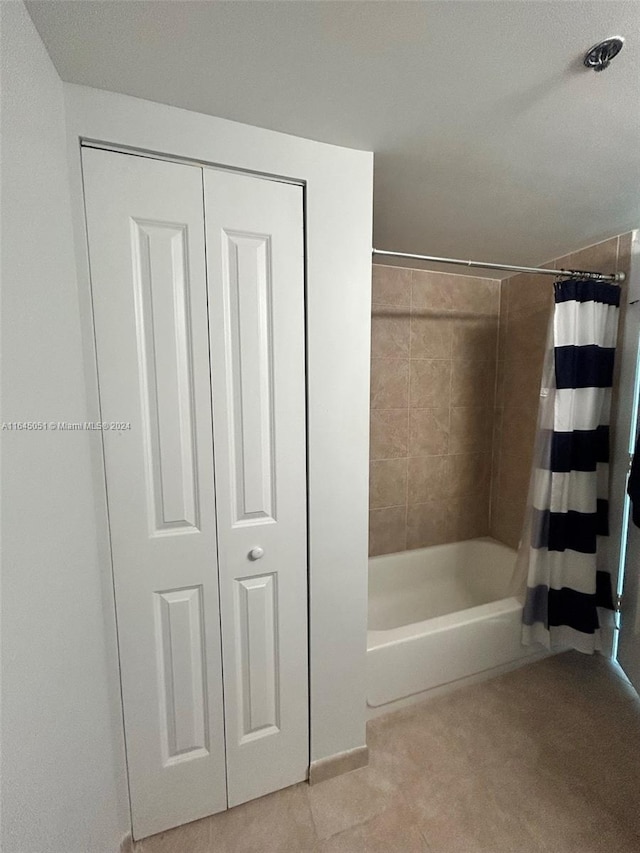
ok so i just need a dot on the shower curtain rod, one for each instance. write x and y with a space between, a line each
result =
596 276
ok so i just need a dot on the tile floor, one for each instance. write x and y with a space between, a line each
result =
543 759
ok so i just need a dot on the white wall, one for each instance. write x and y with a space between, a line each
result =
338 194
63 782
64 787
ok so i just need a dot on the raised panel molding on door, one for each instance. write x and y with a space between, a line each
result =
256 319
160 277
181 642
257 619
249 346
145 223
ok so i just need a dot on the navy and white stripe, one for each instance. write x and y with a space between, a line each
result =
568 591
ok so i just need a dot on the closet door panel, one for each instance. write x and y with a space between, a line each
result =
256 316
145 225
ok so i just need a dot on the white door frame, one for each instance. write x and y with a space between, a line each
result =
338 209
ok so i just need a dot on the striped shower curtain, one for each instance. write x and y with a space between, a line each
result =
569 591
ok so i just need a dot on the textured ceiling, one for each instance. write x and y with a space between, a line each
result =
491 139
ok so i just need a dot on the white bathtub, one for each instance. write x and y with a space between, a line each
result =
440 614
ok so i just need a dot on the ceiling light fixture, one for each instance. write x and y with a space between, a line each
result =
600 55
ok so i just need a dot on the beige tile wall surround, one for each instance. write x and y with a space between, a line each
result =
526 302
433 378
455 379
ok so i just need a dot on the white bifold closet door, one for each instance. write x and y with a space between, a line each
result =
255 263
195 346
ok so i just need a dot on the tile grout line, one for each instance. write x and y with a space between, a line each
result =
436 358
409 806
406 490
499 449
313 819
493 481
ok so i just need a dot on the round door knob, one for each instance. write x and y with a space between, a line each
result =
256 553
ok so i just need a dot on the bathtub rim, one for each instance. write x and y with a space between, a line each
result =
411 552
